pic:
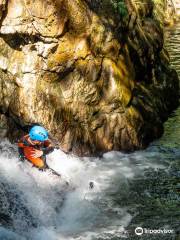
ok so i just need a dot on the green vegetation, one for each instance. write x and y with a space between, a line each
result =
120 7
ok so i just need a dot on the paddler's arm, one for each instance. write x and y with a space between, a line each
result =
48 147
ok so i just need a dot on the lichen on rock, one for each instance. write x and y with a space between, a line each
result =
94 73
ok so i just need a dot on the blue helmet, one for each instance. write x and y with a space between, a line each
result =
38 133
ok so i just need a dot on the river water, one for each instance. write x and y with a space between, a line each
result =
108 197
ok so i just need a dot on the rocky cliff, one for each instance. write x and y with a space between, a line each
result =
167 11
94 73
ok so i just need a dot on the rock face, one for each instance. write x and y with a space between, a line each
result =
94 73
167 11
173 10
3 126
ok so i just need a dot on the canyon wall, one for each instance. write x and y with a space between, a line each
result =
94 73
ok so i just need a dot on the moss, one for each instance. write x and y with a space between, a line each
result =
70 49
159 10
122 82
80 19
120 8
4 50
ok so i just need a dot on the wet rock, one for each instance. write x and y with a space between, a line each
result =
167 12
3 4
94 73
3 126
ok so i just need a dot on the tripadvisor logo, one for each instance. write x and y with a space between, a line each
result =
139 231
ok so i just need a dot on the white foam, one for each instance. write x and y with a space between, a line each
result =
9 235
82 212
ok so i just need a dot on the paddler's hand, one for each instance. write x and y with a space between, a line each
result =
37 153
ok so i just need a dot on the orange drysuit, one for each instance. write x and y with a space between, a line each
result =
26 150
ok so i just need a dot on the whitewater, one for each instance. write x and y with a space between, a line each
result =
44 207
